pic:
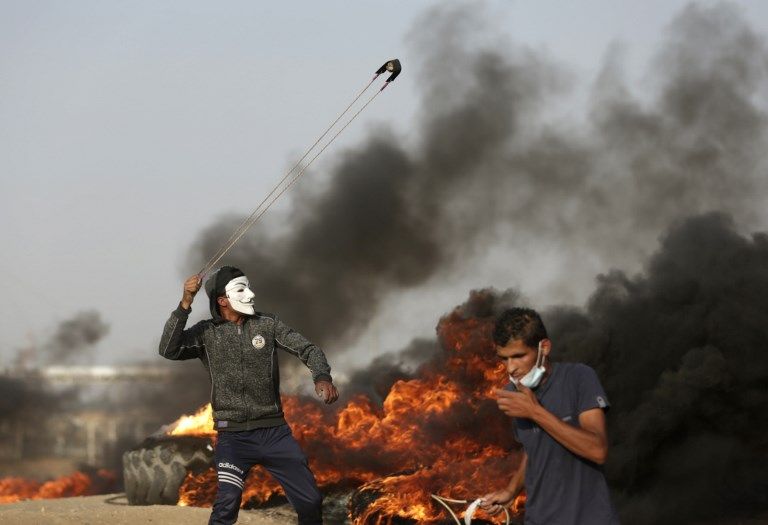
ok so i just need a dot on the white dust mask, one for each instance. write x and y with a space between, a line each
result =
535 374
239 295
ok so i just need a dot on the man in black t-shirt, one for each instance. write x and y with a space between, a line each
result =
559 415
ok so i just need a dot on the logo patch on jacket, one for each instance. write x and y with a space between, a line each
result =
258 341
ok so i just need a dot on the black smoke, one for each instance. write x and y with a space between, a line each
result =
681 347
25 407
27 400
20 400
375 380
681 351
487 162
34 407
75 338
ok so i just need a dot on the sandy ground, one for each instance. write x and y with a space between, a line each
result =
113 509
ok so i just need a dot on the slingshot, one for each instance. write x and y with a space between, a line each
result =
392 66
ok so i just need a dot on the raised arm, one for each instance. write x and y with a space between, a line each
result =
177 343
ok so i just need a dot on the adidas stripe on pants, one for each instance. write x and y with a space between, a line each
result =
276 450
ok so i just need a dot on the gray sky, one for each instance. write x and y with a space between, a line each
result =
127 127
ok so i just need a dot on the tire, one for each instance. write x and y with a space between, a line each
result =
154 471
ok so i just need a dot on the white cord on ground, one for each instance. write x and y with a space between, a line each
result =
469 513
442 501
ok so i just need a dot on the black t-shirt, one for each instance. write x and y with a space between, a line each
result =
563 488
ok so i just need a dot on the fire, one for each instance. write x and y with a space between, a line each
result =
77 484
398 501
199 424
441 431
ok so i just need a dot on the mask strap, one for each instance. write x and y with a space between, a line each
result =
539 357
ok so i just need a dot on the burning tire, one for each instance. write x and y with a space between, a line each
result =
154 471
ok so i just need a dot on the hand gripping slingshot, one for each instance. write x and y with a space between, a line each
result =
392 66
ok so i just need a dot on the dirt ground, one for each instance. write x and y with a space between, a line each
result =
113 509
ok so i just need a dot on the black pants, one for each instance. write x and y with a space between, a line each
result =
276 450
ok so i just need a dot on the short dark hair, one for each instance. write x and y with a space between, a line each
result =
519 323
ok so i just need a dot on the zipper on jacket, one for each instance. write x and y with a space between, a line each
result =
242 370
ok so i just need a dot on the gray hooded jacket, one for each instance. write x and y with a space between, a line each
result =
242 363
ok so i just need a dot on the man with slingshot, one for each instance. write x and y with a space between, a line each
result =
238 346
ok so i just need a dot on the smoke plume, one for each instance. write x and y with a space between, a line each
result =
680 350
75 338
376 379
488 164
681 353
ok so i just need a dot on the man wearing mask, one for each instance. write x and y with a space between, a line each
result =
559 416
238 347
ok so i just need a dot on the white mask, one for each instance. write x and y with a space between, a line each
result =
239 295
535 374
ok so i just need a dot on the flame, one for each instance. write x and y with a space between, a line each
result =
518 506
77 484
199 424
440 430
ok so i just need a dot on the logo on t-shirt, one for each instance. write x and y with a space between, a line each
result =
601 402
258 341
